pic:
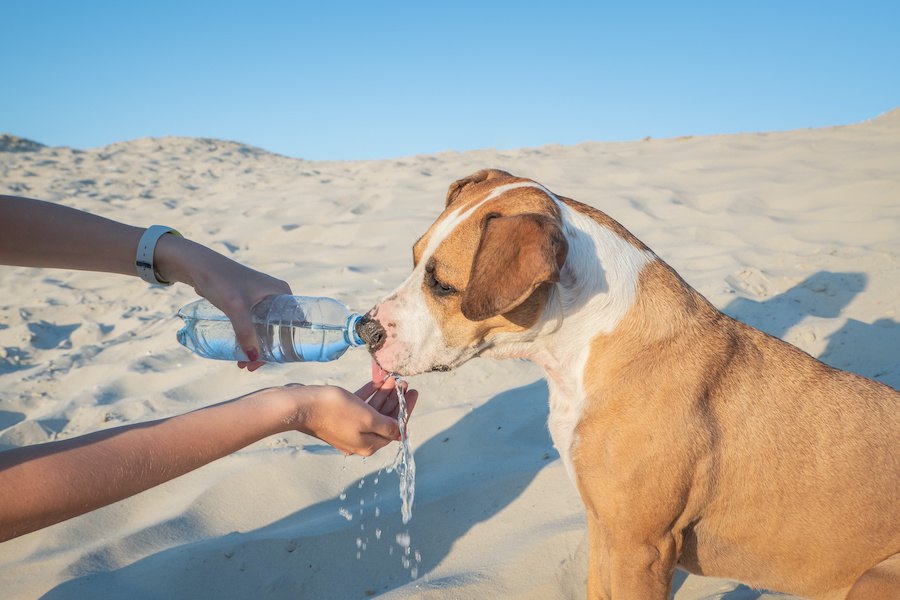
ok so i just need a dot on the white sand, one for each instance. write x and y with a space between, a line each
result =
796 232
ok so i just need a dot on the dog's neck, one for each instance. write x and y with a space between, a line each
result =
596 289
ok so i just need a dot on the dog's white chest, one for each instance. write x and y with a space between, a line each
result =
566 407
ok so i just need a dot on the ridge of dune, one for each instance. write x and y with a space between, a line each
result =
187 145
14 143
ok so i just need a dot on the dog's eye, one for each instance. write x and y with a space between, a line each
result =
437 287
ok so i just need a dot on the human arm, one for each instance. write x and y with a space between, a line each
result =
48 483
34 233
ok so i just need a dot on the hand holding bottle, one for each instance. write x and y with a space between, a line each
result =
287 329
232 287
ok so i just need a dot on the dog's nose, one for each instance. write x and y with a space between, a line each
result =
371 332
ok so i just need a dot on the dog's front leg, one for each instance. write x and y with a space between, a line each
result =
598 580
641 568
630 567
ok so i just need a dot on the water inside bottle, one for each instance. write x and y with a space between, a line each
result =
208 333
301 341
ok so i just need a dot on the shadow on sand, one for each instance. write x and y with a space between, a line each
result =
866 349
466 475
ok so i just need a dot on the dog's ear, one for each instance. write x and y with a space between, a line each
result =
483 175
516 255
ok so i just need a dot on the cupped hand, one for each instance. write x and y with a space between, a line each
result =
354 423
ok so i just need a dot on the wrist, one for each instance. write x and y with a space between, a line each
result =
171 258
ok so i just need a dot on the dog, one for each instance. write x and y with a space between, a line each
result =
693 439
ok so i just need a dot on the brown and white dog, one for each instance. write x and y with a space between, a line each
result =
694 440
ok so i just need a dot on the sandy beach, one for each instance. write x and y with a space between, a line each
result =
797 233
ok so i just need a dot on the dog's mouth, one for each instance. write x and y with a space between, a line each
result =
473 352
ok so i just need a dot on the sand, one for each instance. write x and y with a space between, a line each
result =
796 232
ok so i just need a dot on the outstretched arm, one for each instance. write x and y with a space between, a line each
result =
34 233
48 483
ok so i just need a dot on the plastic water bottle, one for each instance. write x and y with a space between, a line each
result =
288 329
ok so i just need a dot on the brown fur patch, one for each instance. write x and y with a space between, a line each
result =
516 255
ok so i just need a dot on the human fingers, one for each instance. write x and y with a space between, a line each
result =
366 391
250 366
376 393
384 427
374 432
391 406
372 443
411 396
391 403
242 322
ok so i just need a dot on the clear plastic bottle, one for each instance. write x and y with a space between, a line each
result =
288 329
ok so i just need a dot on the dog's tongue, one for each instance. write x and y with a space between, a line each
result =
378 374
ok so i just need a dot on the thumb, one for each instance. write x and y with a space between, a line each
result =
385 427
244 332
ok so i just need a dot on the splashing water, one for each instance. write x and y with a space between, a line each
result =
405 466
404 463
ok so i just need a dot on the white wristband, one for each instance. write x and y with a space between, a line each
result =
146 247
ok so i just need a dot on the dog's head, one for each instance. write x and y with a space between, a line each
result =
483 271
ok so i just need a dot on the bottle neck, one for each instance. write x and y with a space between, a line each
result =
350 333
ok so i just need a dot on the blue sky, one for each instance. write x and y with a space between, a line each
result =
350 80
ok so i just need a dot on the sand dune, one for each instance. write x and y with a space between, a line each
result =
797 233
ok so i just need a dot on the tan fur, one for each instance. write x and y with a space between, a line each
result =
710 444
